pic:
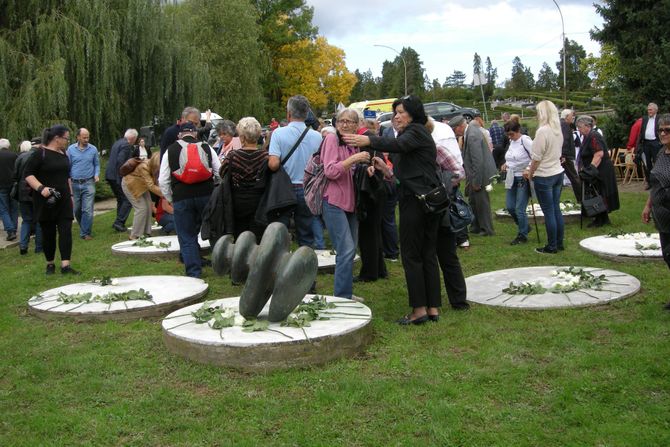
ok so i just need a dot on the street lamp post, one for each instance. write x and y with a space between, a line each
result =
403 62
565 68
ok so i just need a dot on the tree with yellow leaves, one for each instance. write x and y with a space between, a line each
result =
315 69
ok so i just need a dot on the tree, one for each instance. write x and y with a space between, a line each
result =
576 78
522 78
547 80
316 70
476 64
604 69
393 75
366 87
456 79
491 76
636 35
88 64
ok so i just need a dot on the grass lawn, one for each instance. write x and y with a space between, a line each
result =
594 376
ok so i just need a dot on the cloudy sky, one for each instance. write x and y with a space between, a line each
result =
447 33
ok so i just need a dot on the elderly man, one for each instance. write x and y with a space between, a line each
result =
283 140
648 142
188 196
479 169
84 173
189 114
568 153
121 151
9 208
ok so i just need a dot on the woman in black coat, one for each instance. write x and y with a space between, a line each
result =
594 152
413 154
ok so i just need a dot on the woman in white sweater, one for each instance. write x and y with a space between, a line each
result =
517 159
546 173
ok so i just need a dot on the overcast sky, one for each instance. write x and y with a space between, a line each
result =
447 33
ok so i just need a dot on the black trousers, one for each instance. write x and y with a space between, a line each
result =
650 150
454 281
418 239
370 242
64 229
123 206
575 181
665 246
389 227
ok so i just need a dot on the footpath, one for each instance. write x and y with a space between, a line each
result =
100 207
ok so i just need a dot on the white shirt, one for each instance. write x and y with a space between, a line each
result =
649 133
444 136
165 174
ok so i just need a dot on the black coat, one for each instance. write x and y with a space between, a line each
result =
120 153
606 181
414 155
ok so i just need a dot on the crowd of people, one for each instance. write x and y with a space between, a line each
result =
369 171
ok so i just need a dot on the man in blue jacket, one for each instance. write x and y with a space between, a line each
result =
121 151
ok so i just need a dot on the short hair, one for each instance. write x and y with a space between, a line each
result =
298 107
227 127
512 126
664 119
79 131
25 146
584 120
654 105
189 110
349 112
505 116
249 128
566 112
57 130
413 106
4 143
130 133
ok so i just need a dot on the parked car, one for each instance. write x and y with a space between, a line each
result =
447 110
384 119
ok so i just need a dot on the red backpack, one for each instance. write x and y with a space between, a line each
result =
195 164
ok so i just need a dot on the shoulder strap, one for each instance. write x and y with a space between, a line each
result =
524 147
295 146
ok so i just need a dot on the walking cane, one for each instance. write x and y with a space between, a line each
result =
532 207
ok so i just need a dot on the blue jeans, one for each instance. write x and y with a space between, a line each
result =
84 197
167 222
343 231
187 220
303 219
317 231
9 211
548 190
27 225
516 203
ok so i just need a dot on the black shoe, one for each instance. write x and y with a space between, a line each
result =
546 250
595 224
667 306
519 240
405 321
313 288
363 279
561 248
460 306
205 262
11 236
434 318
391 258
51 269
67 270
119 228
23 251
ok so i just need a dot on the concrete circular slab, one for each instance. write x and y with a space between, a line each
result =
622 247
155 228
327 260
127 247
569 214
168 293
487 288
324 340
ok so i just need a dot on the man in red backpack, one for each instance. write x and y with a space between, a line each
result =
186 179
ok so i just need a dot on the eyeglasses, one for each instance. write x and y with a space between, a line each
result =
346 122
664 130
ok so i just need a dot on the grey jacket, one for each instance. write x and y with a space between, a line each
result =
477 159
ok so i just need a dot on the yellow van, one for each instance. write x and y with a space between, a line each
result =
376 105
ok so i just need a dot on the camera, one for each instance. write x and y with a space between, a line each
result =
54 196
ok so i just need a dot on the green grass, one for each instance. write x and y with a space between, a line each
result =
591 376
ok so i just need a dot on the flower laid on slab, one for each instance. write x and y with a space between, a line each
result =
622 235
569 279
143 241
88 298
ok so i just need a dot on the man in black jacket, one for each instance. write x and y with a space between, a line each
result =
121 151
9 208
648 142
568 153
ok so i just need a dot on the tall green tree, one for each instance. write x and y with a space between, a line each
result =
476 64
547 80
92 64
576 78
637 36
366 87
393 74
491 77
455 80
522 78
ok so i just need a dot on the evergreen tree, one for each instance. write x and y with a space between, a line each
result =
576 78
491 76
547 80
455 80
522 78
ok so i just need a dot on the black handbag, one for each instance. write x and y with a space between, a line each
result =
459 214
437 200
594 205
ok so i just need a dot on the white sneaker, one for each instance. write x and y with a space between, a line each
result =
465 244
358 299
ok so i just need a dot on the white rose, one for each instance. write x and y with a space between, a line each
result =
114 282
489 188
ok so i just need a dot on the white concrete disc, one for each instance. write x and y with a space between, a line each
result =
486 288
571 214
322 341
127 248
327 259
623 247
155 228
168 292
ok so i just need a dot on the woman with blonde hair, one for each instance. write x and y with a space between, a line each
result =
136 186
546 172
